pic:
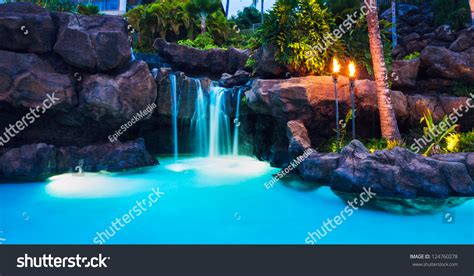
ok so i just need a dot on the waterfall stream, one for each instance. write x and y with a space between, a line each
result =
219 125
174 114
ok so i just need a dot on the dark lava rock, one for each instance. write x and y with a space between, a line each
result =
405 73
192 61
26 80
266 65
319 167
26 27
464 41
108 157
399 173
94 43
37 162
116 99
441 62
298 136
445 33
28 163
240 77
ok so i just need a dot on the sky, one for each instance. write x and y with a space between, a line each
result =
236 5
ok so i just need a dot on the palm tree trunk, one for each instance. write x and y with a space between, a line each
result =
388 121
203 24
261 12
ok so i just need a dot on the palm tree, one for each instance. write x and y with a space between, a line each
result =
203 8
388 121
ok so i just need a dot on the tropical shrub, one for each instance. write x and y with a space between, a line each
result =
438 140
412 56
334 145
455 13
202 41
461 89
88 9
460 142
167 19
53 5
295 27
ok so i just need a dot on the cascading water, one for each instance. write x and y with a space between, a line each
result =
219 125
235 149
174 114
199 121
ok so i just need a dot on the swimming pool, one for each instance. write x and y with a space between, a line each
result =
218 200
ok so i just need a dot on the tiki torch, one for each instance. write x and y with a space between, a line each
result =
352 71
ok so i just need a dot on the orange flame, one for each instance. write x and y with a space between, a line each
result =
352 69
336 67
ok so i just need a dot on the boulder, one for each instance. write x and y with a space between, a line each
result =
106 157
464 41
35 162
442 62
26 80
319 167
298 136
116 99
240 77
93 43
445 33
25 27
405 73
420 104
399 173
266 65
192 61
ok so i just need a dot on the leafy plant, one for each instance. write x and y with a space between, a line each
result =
429 129
295 27
88 9
412 56
462 90
203 41
466 141
246 18
334 145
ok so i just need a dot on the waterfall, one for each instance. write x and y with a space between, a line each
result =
199 121
235 148
174 114
219 125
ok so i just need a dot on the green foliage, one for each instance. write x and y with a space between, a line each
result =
333 145
430 128
295 27
202 9
203 41
53 5
466 142
167 19
88 9
462 90
455 13
412 56
358 45
246 18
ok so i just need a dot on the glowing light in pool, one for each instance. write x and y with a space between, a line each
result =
90 185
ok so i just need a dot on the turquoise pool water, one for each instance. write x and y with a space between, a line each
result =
205 201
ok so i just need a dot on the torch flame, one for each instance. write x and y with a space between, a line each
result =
352 69
336 67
